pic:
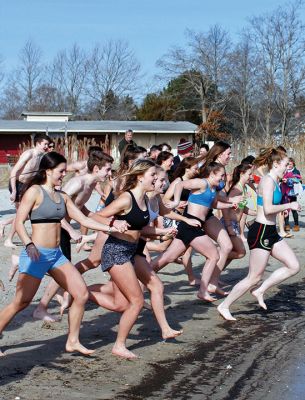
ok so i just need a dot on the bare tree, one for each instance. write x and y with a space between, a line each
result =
68 74
279 41
29 74
114 69
241 86
204 66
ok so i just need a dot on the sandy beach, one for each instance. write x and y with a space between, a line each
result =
260 356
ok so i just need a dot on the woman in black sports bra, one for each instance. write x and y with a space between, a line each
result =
120 248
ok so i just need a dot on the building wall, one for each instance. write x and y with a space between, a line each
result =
11 145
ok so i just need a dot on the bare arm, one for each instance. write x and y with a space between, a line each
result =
78 216
269 207
191 184
170 191
24 158
27 203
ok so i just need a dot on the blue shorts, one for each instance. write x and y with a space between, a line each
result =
48 260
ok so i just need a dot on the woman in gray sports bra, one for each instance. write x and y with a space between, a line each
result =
42 254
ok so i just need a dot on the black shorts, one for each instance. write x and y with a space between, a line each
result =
65 243
261 236
19 188
188 233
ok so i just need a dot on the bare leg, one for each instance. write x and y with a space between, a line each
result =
187 263
125 278
26 289
282 252
9 240
242 224
4 223
258 262
41 311
108 296
70 279
175 249
205 246
281 224
94 258
155 286
14 267
216 231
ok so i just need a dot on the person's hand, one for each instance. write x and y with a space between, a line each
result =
182 204
192 222
32 252
169 233
171 204
120 226
13 196
236 199
295 206
76 235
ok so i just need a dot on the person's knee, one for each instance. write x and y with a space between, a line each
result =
241 253
295 267
226 247
81 297
137 301
155 285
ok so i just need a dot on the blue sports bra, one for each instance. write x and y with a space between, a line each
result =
205 198
277 195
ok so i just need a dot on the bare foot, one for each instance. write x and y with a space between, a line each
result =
206 297
121 351
10 244
1 354
225 313
44 316
178 261
14 267
217 290
260 298
65 302
77 347
195 282
171 333
2 285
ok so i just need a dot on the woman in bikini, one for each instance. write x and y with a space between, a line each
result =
263 238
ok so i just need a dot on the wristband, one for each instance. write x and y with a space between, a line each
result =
111 222
109 230
29 244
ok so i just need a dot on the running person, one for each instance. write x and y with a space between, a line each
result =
42 254
263 238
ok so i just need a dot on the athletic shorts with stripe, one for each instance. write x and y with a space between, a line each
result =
262 236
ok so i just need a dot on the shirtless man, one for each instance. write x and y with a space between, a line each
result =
23 170
79 188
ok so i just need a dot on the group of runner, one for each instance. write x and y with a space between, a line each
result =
172 205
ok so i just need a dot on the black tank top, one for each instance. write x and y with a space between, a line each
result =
136 217
109 198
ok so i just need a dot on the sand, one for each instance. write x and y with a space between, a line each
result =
260 356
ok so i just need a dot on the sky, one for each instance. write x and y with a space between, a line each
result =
150 27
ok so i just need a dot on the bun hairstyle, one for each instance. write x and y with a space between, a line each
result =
215 151
268 156
240 169
213 166
138 168
49 160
